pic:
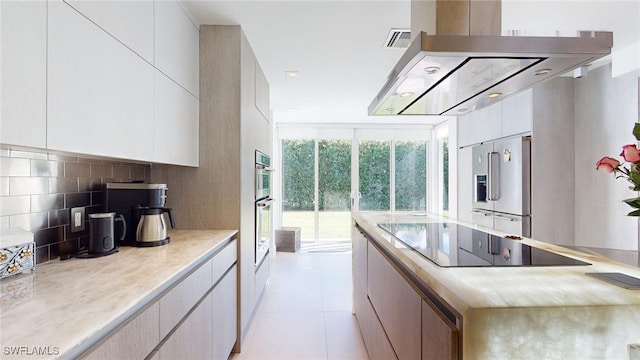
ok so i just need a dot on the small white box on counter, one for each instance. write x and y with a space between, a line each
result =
17 252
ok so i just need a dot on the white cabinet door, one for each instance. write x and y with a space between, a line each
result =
176 123
517 114
192 338
225 320
176 303
131 22
99 93
23 72
481 125
177 45
135 340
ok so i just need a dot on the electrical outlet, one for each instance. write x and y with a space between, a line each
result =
77 219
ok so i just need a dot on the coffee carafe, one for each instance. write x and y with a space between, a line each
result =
152 229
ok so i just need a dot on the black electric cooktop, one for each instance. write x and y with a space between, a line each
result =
453 245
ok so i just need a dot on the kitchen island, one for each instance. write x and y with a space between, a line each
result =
528 312
135 302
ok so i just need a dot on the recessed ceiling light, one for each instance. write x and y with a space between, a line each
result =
541 71
291 74
494 95
463 109
390 109
406 94
431 69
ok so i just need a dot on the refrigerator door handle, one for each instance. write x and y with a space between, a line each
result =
480 212
493 182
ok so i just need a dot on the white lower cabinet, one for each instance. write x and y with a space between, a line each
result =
134 340
197 319
192 338
225 315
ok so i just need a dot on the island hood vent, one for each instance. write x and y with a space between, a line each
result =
457 74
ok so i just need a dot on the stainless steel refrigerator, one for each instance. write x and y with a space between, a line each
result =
502 185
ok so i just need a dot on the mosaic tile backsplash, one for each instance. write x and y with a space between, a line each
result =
38 189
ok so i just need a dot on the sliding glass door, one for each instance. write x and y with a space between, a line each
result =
324 179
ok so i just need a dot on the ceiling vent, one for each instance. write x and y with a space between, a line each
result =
398 38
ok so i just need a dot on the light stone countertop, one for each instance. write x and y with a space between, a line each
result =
67 306
554 312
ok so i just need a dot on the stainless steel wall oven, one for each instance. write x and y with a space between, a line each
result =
264 209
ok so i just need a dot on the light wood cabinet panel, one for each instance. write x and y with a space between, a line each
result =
231 129
225 321
176 123
193 338
396 303
177 45
99 93
131 22
262 94
179 300
23 70
134 340
375 339
517 113
439 337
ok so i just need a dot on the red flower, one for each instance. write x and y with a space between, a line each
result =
630 153
608 164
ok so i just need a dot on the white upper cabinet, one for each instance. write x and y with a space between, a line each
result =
23 29
131 22
177 43
481 125
517 113
99 93
176 123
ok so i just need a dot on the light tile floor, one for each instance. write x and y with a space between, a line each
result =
305 312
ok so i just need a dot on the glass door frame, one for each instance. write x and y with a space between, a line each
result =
355 133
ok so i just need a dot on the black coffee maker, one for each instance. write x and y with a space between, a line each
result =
128 199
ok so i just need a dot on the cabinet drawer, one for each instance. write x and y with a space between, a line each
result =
396 303
439 336
225 319
179 300
193 338
134 340
223 260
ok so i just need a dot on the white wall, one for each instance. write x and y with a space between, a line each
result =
566 17
606 110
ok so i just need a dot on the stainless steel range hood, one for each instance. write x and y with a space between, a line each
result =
457 74
454 75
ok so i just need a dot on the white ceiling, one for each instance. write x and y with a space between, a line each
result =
336 46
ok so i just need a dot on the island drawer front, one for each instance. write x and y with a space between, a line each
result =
178 301
396 303
223 260
134 340
439 336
